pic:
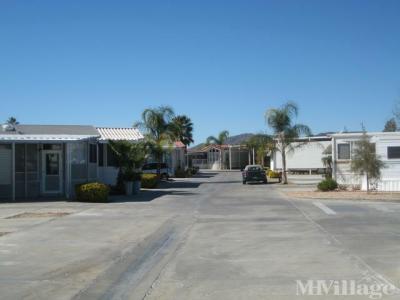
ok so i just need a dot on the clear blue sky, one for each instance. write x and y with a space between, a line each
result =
223 63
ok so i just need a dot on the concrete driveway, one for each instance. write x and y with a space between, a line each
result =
208 237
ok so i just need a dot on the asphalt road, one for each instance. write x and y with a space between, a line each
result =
208 237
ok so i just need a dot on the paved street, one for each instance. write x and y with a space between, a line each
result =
208 237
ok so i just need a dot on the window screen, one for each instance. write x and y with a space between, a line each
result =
79 161
101 155
93 153
111 158
343 151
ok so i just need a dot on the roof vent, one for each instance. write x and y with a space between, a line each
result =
8 127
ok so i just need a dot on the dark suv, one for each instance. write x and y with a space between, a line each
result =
254 173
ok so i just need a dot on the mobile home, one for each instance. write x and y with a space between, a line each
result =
387 147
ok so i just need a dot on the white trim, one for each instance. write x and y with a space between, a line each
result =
44 137
13 170
359 134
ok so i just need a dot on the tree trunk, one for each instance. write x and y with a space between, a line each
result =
159 162
284 175
367 183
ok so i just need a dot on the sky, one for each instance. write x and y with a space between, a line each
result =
222 63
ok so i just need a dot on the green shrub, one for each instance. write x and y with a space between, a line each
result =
327 185
273 174
149 181
92 192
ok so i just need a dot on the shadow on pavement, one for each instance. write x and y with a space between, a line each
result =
147 196
205 175
178 184
34 200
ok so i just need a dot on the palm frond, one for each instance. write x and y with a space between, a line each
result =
291 109
212 140
223 136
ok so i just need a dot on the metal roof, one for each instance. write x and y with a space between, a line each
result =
51 130
48 133
358 134
119 134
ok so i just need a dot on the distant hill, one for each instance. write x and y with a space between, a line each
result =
232 140
238 139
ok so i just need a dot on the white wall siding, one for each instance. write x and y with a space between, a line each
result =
108 175
390 175
309 156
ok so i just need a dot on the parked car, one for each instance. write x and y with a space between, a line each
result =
151 168
254 173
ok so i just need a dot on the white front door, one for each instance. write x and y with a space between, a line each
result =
52 165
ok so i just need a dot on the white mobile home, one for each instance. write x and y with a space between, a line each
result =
306 159
46 160
50 160
387 145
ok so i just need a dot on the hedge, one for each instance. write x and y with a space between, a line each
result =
92 192
327 185
149 181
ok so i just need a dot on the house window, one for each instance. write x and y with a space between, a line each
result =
393 152
344 151
93 153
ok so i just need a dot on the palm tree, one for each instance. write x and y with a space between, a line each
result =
12 121
158 131
220 141
129 157
285 133
260 143
183 129
327 160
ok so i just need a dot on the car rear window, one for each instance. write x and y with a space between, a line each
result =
254 169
